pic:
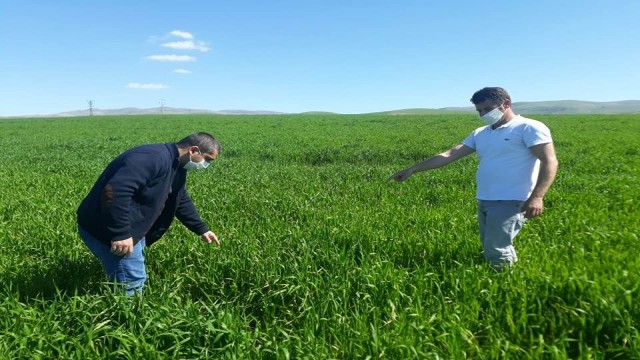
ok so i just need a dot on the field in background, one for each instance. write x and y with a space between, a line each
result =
321 257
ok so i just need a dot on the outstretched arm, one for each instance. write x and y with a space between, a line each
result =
548 169
433 162
188 215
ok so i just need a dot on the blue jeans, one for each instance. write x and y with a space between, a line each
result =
127 272
500 221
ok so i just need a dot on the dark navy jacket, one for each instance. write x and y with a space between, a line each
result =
138 195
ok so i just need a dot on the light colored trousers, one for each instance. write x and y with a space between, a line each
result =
500 221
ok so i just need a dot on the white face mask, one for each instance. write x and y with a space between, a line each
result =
196 165
492 116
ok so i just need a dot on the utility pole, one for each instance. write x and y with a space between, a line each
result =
161 106
90 107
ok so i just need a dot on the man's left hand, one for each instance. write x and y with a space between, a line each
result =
533 207
210 237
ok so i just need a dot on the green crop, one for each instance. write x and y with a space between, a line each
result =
321 257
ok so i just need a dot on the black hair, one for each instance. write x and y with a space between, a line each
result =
205 141
495 95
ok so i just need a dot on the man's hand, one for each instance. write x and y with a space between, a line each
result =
533 207
122 247
401 176
210 237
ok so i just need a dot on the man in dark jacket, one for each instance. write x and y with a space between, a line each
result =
134 201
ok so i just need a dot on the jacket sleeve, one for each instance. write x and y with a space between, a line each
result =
188 215
116 202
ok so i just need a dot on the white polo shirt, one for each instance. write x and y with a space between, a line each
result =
508 169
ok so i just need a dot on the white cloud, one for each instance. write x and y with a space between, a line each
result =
182 71
188 45
181 34
147 86
172 58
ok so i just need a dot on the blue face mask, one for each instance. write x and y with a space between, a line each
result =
196 165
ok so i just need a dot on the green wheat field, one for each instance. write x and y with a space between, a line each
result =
321 257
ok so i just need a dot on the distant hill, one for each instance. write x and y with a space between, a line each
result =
318 113
537 107
578 107
543 107
421 111
159 110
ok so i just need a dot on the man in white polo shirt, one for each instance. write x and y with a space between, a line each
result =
517 166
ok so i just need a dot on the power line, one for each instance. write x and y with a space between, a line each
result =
90 107
161 106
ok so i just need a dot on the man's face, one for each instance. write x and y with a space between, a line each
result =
487 105
197 155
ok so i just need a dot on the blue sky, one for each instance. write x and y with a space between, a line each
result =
349 56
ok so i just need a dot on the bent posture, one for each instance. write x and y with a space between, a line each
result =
136 198
517 166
